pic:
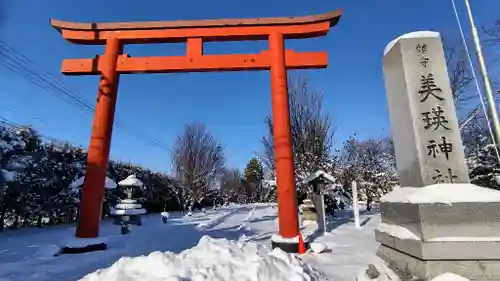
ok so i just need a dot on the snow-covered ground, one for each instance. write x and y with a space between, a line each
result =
25 254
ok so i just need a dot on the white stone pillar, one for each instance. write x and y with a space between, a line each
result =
355 207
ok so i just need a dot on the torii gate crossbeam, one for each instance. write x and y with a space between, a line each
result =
114 62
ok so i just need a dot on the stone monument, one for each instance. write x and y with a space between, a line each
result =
422 113
436 222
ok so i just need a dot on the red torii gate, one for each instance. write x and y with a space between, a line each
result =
114 62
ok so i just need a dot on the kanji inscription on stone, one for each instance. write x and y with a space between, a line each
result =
423 118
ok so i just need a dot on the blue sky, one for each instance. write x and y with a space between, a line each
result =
232 104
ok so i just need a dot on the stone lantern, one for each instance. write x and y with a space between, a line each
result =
314 208
129 210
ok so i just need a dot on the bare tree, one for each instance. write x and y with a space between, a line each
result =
231 185
493 40
311 129
268 147
197 160
493 32
459 73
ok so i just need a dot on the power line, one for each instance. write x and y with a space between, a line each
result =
50 84
14 127
21 65
31 119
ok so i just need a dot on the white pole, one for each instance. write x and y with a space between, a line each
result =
355 207
484 73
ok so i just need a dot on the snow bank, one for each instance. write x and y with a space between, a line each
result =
449 277
416 34
443 193
211 260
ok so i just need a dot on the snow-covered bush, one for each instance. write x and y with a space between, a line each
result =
35 176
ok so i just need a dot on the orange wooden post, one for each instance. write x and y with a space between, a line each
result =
100 141
283 156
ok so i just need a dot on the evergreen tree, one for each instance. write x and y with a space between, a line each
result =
254 171
253 175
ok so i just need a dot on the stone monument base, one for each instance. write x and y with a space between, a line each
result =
309 211
288 245
404 264
441 228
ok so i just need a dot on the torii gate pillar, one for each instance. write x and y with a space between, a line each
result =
100 142
283 154
194 33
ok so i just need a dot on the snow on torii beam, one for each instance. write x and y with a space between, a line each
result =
194 33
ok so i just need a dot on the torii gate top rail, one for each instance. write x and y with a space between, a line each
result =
209 30
195 32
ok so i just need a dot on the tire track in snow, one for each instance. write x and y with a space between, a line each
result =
263 223
249 217
207 225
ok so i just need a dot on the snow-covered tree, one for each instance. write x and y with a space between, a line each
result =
66 163
10 145
371 163
482 158
18 146
36 176
311 129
